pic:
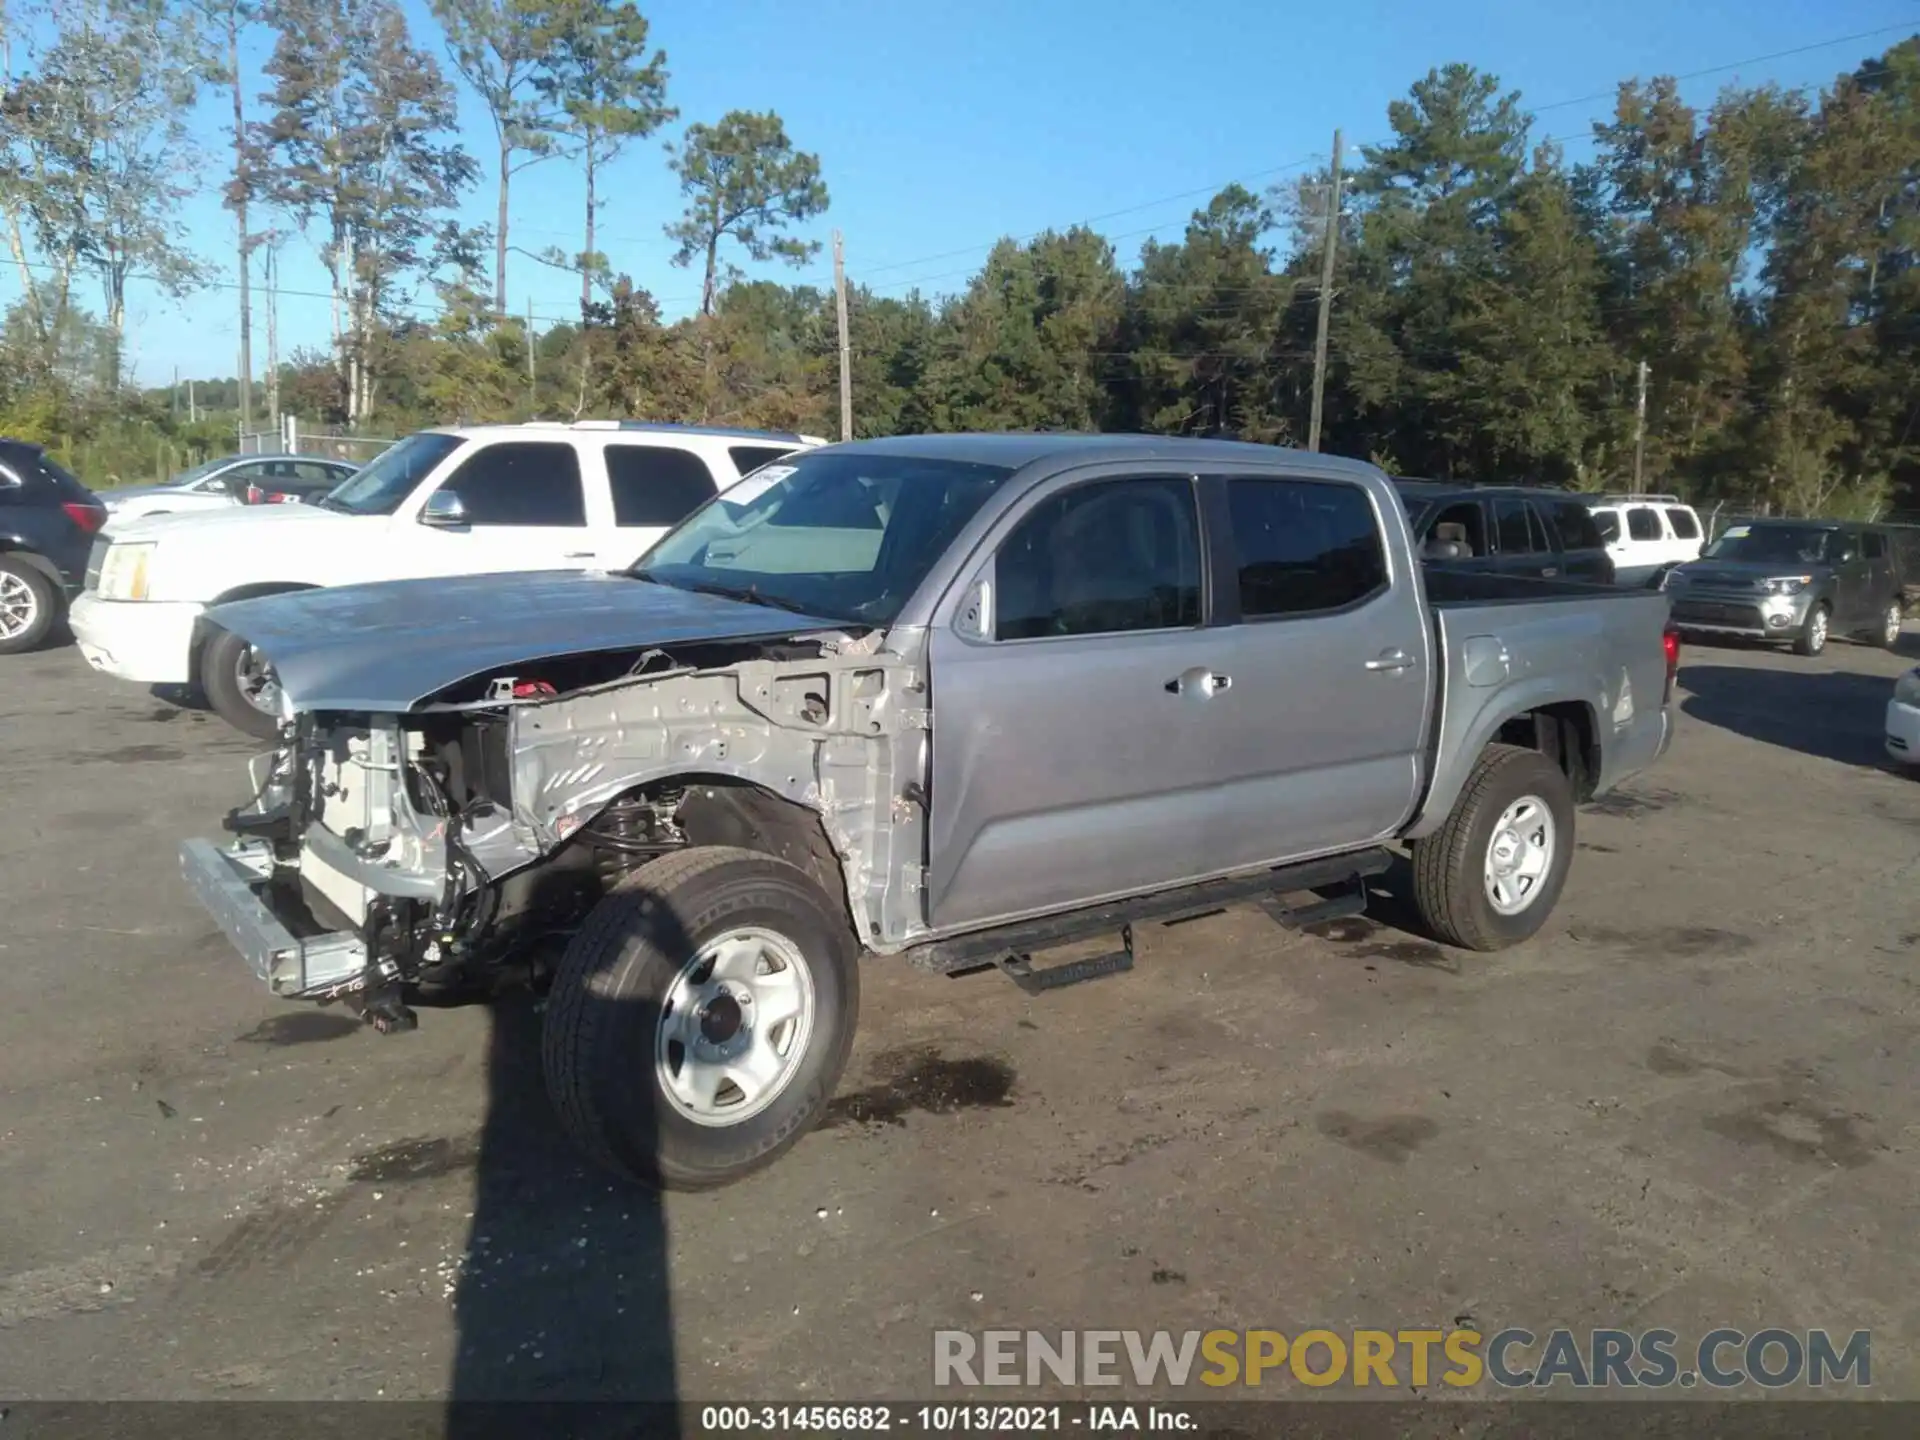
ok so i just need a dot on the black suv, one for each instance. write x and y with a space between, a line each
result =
47 524
1506 530
1799 581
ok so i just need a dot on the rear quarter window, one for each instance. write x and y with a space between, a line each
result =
1578 528
1684 525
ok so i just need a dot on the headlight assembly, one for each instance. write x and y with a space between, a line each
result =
1788 584
123 575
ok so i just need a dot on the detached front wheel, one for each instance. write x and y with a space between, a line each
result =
701 1018
1491 875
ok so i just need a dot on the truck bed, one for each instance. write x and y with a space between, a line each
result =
1508 643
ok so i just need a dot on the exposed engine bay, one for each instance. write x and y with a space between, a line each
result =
438 847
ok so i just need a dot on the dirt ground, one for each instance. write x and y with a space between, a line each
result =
1689 1103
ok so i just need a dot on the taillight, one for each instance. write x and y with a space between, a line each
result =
1670 642
88 517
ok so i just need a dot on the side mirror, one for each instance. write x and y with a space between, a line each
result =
974 618
444 510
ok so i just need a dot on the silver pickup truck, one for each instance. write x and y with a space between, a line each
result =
958 699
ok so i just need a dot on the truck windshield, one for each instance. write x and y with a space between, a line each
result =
846 536
379 489
1775 544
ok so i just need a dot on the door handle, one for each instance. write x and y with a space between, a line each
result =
1200 682
1389 660
580 554
1549 572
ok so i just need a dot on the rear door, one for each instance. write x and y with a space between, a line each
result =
1316 746
1684 525
1853 597
653 488
1076 754
1583 554
1883 581
1521 538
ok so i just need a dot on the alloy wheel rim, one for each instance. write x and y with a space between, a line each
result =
257 681
1894 618
734 1027
19 607
1817 629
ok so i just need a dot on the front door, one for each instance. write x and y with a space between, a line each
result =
1078 698
525 510
1332 675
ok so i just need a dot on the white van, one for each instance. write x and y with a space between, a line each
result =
1647 533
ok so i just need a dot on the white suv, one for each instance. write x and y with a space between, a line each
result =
1647 534
594 494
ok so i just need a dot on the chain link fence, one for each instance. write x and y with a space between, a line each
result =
294 438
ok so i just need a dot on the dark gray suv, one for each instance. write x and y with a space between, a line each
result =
1797 581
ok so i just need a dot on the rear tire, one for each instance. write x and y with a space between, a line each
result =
1513 799
30 606
220 661
639 974
1890 623
1812 638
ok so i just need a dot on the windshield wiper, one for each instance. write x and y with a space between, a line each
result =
744 593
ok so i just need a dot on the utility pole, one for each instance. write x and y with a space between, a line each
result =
174 398
273 333
1326 298
193 407
530 390
1640 430
846 349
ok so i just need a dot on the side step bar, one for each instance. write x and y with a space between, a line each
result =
1011 947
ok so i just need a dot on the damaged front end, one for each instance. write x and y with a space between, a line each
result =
439 844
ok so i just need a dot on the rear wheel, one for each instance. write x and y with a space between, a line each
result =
1812 638
29 606
240 685
701 1018
1890 625
1491 875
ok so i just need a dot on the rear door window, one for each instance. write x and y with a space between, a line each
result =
1874 545
1576 525
1643 523
1304 545
656 485
1513 524
1537 525
748 458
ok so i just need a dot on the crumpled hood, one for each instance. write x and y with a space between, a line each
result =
389 646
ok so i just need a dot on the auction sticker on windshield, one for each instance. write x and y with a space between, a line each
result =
752 487
1736 532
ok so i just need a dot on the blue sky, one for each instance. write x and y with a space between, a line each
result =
943 127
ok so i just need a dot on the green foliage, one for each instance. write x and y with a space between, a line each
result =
1491 309
746 183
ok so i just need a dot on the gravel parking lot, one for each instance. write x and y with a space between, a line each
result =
1690 1102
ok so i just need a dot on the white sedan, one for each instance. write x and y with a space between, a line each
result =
1903 719
228 481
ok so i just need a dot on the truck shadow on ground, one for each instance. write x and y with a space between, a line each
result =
1831 715
563 1294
